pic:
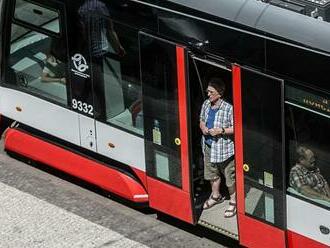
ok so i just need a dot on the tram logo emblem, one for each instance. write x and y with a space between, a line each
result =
80 64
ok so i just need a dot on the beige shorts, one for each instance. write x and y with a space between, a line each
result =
212 170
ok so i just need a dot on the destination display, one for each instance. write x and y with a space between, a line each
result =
315 101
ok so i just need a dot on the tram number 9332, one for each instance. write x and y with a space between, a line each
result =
82 107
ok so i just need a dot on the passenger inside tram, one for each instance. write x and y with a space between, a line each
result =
116 71
308 174
35 61
306 177
54 68
108 55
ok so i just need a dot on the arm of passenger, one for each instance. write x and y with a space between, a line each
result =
203 127
202 121
46 78
311 193
229 130
114 40
219 131
327 188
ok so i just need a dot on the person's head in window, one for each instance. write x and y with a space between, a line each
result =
305 157
215 90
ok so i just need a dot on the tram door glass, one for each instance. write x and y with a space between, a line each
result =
117 84
262 114
38 52
307 145
160 106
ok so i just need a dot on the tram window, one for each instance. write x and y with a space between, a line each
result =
37 63
307 132
36 15
117 83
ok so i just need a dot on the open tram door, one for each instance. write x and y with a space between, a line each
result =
163 67
259 154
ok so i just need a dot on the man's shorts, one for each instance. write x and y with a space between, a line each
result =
212 170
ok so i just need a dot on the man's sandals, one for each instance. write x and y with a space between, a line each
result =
231 210
213 201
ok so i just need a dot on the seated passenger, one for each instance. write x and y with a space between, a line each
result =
54 68
305 176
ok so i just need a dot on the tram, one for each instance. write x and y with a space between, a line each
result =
110 91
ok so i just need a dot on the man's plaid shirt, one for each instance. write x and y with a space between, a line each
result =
300 176
94 14
222 148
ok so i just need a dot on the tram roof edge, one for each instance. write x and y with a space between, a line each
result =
289 25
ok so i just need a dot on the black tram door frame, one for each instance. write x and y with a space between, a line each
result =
219 69
82 79
259 106
166 126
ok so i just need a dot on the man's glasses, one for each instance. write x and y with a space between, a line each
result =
211 92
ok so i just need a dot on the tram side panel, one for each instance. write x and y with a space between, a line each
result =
26 93
294 64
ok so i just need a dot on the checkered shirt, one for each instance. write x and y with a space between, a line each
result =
222 147
93 14
300 176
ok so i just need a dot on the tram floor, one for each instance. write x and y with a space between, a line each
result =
214 218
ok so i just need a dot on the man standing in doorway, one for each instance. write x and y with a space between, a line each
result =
216 124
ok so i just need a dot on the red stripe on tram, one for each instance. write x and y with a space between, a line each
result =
238 133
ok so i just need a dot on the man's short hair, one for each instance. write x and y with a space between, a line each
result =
301 152
218 84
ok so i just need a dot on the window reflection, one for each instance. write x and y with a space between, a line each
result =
116 71
37 63
306 178
36 15
308 153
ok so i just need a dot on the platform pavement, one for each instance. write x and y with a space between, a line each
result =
27 221
41 209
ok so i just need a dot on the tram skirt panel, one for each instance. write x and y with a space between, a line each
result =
74 164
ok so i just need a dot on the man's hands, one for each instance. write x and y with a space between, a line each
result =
212 131
205 130
215 131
